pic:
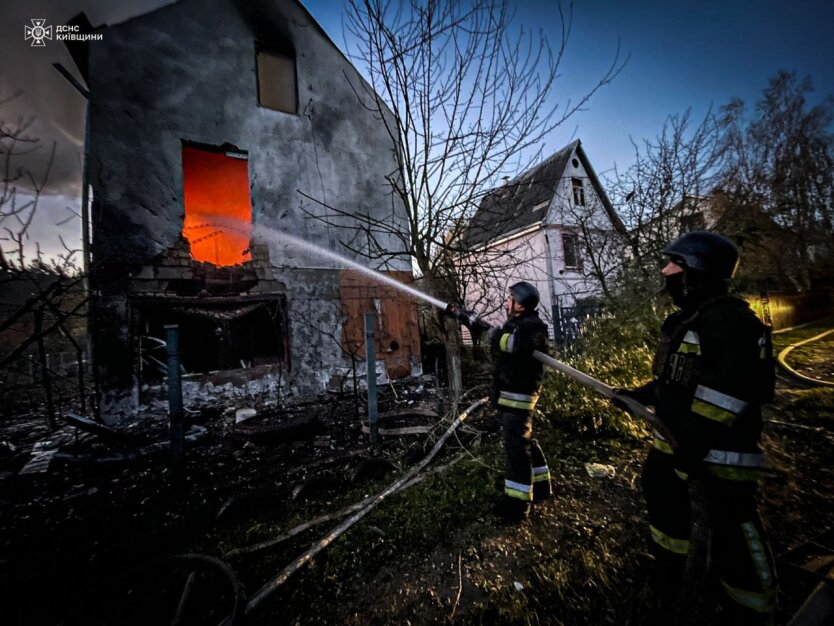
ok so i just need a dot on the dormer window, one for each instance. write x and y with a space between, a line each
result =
578 192
277 81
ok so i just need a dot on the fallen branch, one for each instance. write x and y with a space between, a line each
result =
816 429
404 430
282 576
297 530
460 587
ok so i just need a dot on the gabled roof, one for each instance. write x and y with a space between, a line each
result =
515 206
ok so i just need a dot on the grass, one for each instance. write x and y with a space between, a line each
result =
577 562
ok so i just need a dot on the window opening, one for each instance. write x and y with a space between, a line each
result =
570 250
578 192
218 209
215 335
277 81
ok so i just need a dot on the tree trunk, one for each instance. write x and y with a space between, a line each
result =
453 368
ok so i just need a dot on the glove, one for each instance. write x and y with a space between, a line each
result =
617 399
643 394
469 319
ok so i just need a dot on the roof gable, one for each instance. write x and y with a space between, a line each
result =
525 200
520 203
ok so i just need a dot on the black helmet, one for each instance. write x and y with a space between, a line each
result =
526 295
709 253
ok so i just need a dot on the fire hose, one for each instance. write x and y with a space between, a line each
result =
608 392
474 322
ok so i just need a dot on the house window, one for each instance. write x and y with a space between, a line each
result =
570 251
692 222
578 192
277 81
214 334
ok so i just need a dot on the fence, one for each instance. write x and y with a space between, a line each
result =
27 369
779 310
568 321
782 310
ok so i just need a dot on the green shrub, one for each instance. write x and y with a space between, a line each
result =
616 348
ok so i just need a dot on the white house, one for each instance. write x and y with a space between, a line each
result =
554 226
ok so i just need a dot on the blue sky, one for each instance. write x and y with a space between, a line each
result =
682 54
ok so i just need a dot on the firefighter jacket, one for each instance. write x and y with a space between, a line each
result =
516 374
712 372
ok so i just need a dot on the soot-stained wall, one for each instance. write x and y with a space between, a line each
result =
186 75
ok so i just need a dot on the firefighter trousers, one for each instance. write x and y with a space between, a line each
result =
526 475
740 557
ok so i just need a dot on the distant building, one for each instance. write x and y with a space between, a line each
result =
553 226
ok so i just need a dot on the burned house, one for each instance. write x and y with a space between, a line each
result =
214 126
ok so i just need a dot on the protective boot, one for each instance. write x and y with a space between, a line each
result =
542 490
511 510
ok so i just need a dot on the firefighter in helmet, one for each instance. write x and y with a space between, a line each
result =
712 372
516 378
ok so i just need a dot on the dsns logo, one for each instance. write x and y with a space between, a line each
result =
37 32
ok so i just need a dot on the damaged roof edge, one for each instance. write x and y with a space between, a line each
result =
79 50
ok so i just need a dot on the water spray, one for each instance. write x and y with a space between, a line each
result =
281 238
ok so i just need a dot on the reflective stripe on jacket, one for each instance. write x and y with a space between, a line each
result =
516 374
713 371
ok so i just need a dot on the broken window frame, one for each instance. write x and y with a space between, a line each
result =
159 310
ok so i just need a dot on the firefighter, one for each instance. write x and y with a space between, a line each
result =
712 372
516 378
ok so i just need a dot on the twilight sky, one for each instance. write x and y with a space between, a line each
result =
687 53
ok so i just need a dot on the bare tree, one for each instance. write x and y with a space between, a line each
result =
43 298
666 190
780 162
467 99
766 179
18 205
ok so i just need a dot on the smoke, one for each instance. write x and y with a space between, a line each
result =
54 107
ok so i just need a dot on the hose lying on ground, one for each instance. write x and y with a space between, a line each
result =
297 530
282 576
784 353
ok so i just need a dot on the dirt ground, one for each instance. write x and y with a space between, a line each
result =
89 542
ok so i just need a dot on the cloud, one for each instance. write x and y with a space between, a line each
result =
55 229
57 108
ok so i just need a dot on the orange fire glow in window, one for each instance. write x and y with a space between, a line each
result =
218 210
